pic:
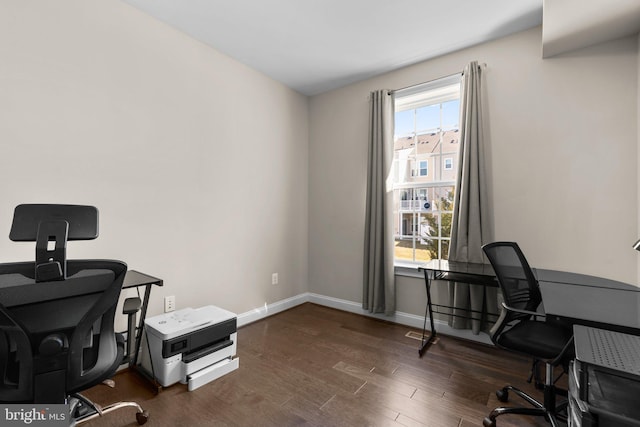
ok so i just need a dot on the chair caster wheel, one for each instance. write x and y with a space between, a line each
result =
488 422
503 395
142 417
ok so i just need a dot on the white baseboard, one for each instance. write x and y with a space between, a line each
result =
271 309
401 318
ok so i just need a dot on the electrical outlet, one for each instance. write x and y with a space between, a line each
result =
274 279
169 303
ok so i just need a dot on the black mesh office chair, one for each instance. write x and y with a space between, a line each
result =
56 315
519 329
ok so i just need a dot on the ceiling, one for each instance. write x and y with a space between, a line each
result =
314 46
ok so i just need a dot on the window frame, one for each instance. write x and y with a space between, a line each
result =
415 97
426 167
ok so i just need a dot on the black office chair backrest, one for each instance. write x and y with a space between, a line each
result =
516 279
57 322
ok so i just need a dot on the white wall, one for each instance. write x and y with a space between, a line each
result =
563 144
573 24
638 126
198 164
212 176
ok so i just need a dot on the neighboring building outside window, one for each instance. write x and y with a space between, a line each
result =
426 143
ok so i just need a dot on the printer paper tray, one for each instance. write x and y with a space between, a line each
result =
212 372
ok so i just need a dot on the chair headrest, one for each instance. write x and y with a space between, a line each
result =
51 226
82 220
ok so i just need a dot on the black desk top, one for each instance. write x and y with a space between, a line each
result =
13 293
464 272
578 279
134 279
570 295
446 266
589 299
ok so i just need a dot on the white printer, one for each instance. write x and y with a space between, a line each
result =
193 346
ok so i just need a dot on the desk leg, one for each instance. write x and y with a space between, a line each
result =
428 312
140 331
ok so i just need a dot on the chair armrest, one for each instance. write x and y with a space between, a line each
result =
517 310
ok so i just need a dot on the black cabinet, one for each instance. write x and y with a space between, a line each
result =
604 380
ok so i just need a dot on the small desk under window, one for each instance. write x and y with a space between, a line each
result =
451 271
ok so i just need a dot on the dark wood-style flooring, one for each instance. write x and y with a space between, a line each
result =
316 366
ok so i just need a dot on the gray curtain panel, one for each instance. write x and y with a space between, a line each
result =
379 290
471 217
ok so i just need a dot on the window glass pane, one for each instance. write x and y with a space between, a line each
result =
404 122
445 227
443 198
430 226
425 251
445 249
427 118
425 151
450 114
404 250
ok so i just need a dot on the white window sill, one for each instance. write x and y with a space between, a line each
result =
408 269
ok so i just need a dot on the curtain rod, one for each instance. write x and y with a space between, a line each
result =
483 65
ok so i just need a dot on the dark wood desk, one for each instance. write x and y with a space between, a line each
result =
572 297
135 279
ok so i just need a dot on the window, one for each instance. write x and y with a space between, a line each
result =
448 163
424 168
426 137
